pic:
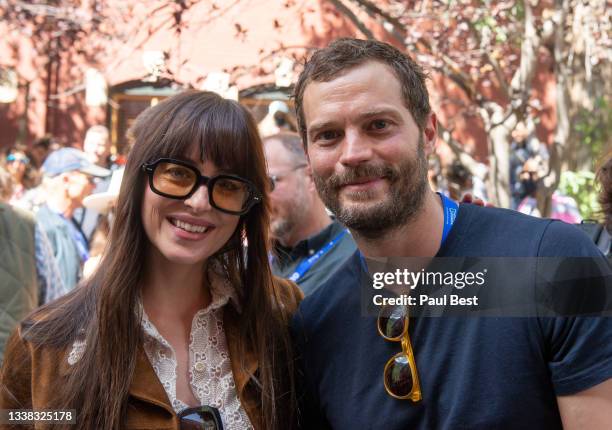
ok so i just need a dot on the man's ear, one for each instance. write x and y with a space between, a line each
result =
308 173
430 133
66 177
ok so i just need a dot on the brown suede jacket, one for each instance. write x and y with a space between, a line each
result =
29 376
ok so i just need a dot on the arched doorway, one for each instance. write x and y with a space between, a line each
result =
128 100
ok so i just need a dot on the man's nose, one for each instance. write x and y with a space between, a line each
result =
356 148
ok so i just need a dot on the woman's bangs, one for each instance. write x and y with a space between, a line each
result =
179 137
224 139
215 128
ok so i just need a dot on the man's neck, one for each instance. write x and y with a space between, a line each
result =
419 237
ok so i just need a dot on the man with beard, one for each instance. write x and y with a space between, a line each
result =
308 244
364 116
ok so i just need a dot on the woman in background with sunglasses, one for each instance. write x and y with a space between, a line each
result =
182 325
25 176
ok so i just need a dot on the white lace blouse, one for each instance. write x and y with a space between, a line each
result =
210 371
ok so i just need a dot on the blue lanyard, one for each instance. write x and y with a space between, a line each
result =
450 208
306 264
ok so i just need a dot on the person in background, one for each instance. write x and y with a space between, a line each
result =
277 120
97 146
182 323
41 148
525 145
24 174
29 275
459 180
564 208
68 177
103 203
308 244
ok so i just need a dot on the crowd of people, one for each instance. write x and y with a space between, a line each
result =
212 280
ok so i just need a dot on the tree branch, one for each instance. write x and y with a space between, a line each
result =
521 81
451 69
558 149
487 54
353 18
368 5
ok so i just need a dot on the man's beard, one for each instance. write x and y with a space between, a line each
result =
280 228
407 186
283 226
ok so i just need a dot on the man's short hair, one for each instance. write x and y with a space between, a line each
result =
343 54
43 142
292 143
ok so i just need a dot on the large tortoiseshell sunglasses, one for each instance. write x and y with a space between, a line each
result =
176 179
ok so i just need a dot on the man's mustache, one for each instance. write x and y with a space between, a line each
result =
353 174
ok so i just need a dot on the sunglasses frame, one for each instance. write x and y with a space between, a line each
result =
20 159
415 393
205 409
254 196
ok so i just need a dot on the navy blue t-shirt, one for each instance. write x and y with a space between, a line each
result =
475 373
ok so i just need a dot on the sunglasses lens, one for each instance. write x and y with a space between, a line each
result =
398 377
173 179
230 194
392 322
199 421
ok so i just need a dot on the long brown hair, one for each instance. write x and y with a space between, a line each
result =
105 308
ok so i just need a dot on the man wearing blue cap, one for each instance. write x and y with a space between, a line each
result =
69 178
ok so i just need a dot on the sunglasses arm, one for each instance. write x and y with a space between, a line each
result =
415 395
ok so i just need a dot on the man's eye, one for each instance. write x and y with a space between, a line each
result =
379 124
328 135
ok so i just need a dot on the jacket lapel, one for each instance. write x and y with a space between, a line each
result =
145 384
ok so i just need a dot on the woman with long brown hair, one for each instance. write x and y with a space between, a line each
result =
182 324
